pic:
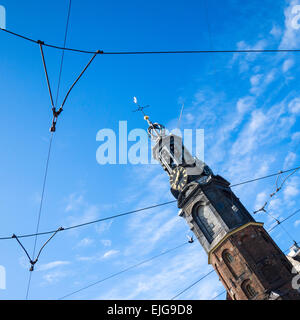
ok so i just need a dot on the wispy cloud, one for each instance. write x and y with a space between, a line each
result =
290 38
85 242
110 253
52 265
54 277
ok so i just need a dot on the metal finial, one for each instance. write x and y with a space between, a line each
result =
155 130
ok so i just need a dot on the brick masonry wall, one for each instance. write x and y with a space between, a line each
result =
250 265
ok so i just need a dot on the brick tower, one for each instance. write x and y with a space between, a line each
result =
248 262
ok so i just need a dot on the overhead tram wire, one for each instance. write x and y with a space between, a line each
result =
124 270
40 211
192 285
143 262
139 210
218 295
91 222
34 260
63 53
113 217
264 177
279 222
150 52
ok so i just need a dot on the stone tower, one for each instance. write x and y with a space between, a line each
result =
248 262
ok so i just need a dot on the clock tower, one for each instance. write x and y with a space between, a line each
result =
247 260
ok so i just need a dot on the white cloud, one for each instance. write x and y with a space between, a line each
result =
54 277
247 140
287 64
294 106
103 226
260 200
245 104
110 253
261 81
85 242
52 265
296 137
275 204
291 188
74 202
290 39
245 59
297 223
255 80
289 160
106 243
276 31
90 212
98 256
87 258
164 278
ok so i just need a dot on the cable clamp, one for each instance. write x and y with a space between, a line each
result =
32 264
55 117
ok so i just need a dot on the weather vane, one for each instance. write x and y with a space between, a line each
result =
155 130
140 108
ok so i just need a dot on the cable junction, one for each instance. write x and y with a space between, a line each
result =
56 112
277 189
32 260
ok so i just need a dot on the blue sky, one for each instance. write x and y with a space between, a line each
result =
248 105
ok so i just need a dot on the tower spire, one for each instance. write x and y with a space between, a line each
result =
246 259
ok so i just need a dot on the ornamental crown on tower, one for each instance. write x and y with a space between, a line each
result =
175 158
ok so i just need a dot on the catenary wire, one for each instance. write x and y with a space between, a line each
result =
40 210
92 222
218 295
279 222
129 212
49 151
152 52
124 270
193 284
264 177
63 53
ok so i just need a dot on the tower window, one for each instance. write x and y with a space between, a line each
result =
206 221
228 257
228 260
251 292
248 289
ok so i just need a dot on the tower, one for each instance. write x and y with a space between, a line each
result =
247 260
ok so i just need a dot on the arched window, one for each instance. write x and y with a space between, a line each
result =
206 221
248 289
227 257
228 260
251 292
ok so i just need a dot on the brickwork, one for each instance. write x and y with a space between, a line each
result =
251 266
